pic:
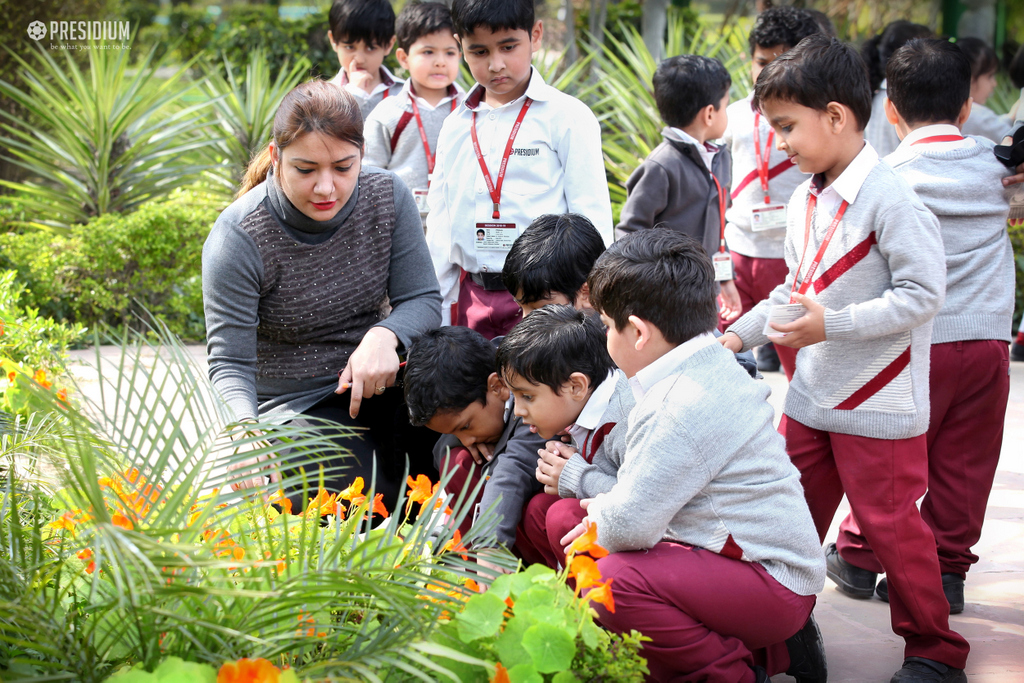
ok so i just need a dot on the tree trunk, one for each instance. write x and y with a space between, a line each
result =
652 26
571 53
598 18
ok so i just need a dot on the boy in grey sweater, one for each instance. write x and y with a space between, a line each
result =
857 410
958 179
713 551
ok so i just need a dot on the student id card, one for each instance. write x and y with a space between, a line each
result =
495 236
782 314
421 200
768 217
723 265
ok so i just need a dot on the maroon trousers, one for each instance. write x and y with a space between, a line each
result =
546 520
709 617
492 313
882 479
755 279
970 385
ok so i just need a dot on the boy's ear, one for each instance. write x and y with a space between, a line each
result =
839 116
391 44
583 297
496 385
965 111
403 58
579 386
536 35
643 332
891 115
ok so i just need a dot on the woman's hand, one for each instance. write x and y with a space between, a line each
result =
250 465
371 368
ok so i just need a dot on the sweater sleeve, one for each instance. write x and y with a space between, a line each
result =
232 272
377 138
586 185
580 479
513 481
648 189
909 240
412 288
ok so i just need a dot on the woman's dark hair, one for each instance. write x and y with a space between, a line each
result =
445 371
980 54
929 80
312 107
817 71
784 26
877 51
661 276
371 21
418 19
685 84
554 254
497 15
552 343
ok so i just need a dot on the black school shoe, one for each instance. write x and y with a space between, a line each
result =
854 581
760 675
768 358
952 586
921 670
807 654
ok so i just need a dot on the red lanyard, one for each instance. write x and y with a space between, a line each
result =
721 214
762 161
423 131
495 189
938 138
805 283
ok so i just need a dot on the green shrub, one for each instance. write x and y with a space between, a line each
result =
28 338
114 268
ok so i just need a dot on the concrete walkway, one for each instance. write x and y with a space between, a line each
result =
858 637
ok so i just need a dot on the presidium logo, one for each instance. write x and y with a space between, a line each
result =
80 30
37 30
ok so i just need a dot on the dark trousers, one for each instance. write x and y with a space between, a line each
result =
882 478
383 436
970 385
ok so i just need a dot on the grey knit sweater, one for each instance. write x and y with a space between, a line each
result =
881 282
962 188
705 466
262 250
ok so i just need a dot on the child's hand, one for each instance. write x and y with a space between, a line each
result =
552 461
481 452
729 303
360 79
731 341
806 330
578 530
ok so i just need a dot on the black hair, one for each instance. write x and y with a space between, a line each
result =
877 51
929 79
784 26
980 54
825 25
445 371
1016 68
661 276
372 21
497 15
686 84
554 254
552 343
817 71
418 19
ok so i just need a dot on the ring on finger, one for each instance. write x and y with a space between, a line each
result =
380 390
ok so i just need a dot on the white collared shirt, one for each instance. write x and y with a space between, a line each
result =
590 417
454 91
556 166
663 367
845 187
707 154
936 129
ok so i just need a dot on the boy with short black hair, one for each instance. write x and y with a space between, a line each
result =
550 261
682 183
765 178
867 275
517 148
705 490
401 132
362 33
958 179
451 387
563 381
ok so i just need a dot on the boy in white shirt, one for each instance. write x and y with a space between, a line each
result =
516 149
362 33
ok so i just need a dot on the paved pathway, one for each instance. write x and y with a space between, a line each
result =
858 638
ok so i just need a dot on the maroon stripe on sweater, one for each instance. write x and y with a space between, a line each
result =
772 172
731 549
402 123
849 260
595 441
876 383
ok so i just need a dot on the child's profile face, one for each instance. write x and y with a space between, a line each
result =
719 119
432 61
982 87
622 346
806 135
762 57
500 60
358 56
477 423
548 413
550 298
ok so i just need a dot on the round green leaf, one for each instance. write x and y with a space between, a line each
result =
524 673
481 617
551 648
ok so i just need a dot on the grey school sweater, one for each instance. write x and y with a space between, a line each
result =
881 282
705 466
962 188
338 276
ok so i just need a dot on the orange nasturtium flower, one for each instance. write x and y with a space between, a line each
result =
1 327
455 545
322 505
248 671
585 571
587 542
378 506
87 555
40 378
65 521
420 489
11 376
120 520
356 489
500 674
282 500
602 594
